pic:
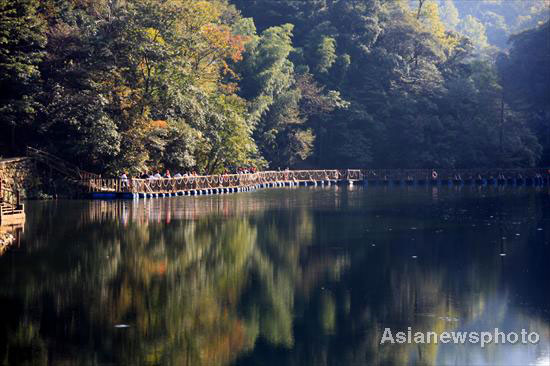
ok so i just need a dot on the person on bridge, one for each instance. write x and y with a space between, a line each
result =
167 175
124 180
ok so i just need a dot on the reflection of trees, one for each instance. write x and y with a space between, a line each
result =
269 300
197 287
215 281
455 276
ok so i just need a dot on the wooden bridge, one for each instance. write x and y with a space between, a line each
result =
11 209
99 187
230 183
12 217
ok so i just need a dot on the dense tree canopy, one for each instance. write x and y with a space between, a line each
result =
143 85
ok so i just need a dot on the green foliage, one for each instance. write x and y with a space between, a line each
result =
280 99
142 85
525 74
493 22
22 42
416 96
475 30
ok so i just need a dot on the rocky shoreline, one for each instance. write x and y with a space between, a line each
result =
6 239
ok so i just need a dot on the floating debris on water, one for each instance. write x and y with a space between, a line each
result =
539 229
414 257
122 326
502 254
448 319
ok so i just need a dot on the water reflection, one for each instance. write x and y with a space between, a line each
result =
283 277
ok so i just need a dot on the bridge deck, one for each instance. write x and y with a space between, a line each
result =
227 183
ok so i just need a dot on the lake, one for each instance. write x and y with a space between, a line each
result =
290 276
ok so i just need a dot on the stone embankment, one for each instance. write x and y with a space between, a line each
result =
21 173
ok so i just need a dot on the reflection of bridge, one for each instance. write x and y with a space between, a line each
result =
229 183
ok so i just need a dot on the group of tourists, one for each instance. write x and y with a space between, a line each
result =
250 170
167 175
153 176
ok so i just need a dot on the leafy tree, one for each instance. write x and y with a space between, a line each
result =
140 85
153 73
22 43
525 74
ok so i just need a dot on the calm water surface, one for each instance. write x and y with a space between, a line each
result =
308 276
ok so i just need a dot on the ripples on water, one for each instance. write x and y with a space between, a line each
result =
307 276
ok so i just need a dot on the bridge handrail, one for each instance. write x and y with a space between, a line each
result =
169 185
63 166
11 199
464 173
208 181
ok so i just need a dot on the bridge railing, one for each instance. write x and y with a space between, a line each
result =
63 166
451 174
10 199
185 183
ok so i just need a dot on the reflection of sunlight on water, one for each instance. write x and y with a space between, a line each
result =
544 360
498 314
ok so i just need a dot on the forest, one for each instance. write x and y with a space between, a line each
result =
134 85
